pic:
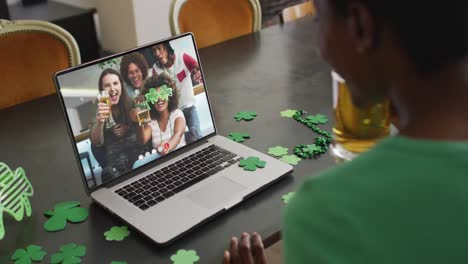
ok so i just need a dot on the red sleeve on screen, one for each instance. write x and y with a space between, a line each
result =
189 62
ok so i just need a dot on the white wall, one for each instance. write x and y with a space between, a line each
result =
126 24
151 20
117 24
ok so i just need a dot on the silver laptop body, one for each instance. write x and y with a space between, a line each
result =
165 220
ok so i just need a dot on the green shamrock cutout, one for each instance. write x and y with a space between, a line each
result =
311 149
117 233
185 257
251 163
278 151
288 113
63 212
317 119
238 137
287 197
32 253
164 93
291 159
118 262
69 254
15 190
247 116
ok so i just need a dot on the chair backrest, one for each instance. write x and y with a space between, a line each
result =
214 21
31 51
297 11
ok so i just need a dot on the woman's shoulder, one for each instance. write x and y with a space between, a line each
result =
177 113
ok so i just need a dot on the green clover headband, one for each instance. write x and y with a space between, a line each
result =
153 96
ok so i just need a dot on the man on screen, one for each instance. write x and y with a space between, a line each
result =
185 72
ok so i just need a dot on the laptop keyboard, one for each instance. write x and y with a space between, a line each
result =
164 183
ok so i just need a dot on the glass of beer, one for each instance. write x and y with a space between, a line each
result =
356 129
104 98
143 112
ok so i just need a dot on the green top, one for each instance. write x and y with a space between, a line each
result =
405 201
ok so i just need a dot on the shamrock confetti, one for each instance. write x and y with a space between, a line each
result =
185 257
62 212
15 190
288 113
251 163
117 233
288 197
238 137
118 262
69 254
317 119
291 159
247 116
312 149
32 253
164 93
278 151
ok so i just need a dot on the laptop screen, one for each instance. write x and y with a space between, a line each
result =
133 108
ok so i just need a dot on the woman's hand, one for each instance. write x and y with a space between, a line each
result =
102 112
196 76
120 130
163 149
245 250
134 115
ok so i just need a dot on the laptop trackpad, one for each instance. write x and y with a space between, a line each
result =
216 193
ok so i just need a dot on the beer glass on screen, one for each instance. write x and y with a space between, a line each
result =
356 129
143 111
104 98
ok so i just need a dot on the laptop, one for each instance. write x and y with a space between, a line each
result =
146 144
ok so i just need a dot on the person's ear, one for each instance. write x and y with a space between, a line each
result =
362 26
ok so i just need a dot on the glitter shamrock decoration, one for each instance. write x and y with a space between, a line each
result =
291 159
308 150
185 257
109 63
288 113
15 190
251 163
278 151
28 255
247 116
238 137
153 95
317 119
287 197
117 233
63 212
321 143
69 254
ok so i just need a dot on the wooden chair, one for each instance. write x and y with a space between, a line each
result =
214 21
297 11
31 51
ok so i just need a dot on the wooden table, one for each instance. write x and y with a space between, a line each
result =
267 72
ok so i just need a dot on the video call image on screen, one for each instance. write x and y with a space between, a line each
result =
133 109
